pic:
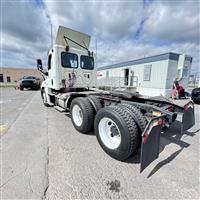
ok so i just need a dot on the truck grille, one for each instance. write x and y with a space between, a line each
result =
27 82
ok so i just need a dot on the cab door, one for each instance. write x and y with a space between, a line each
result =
50 71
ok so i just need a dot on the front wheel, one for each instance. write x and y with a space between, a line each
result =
116 132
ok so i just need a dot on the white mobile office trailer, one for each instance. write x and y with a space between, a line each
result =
150 76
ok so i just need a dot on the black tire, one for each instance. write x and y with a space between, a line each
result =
140 117
196 101
95 103
43 99
87 114
128 131
21 88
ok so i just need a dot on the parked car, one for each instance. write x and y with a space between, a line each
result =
29 82
195 95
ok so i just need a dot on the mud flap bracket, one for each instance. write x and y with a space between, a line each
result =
151 141
188 119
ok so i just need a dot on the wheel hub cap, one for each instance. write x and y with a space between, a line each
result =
109 133
77 115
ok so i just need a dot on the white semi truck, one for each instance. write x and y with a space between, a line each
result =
122 121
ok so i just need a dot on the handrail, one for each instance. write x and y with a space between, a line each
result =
118 82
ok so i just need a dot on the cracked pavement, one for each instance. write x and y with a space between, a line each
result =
44 157
24 145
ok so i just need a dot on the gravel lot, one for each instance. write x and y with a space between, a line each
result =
43 156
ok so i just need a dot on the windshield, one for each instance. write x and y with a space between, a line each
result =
69 60
87 62
29 77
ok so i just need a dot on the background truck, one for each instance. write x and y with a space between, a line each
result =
29 82
122 121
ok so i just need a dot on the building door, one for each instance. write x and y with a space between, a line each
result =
131 78
8 79
126 77
1 78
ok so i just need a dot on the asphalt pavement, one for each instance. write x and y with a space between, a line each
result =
44 157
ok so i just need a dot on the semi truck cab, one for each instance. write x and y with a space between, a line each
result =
70 64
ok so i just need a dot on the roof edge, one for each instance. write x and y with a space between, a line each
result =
154 58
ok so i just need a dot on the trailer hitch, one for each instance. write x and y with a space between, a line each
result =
151 141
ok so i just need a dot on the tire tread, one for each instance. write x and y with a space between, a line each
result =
138 113
132 127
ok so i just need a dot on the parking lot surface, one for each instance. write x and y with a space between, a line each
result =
44 157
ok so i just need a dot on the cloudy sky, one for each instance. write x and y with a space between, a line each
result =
124 30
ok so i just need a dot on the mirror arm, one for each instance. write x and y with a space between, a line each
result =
43 73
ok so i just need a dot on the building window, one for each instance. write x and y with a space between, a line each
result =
147 73
179 73
185 73
1 78
8 79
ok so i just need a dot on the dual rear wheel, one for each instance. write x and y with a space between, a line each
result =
115 128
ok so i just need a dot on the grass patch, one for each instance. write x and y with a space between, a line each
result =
8 85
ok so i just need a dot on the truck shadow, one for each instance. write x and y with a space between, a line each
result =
164 162
171 135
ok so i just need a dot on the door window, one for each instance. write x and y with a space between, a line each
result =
87 62
49 62
69 60
147 73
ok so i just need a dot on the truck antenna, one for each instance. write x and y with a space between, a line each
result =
96 52
51 37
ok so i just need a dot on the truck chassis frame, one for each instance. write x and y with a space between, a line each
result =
159 113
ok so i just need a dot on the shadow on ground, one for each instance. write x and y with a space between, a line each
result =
172 135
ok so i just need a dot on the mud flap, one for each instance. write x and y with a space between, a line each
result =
188 119
151 142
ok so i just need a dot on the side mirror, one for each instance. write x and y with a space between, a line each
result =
39 64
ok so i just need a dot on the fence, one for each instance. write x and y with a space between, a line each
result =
118 82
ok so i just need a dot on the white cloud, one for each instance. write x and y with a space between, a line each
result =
124 30
108 20
25 34
173 21
130 50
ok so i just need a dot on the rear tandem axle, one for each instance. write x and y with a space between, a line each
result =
122 121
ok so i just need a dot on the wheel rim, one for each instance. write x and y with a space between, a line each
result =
77 115
109 133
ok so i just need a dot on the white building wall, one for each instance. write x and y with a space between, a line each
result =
163 74
155 86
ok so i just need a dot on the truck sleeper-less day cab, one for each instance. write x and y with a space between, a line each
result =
122 121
